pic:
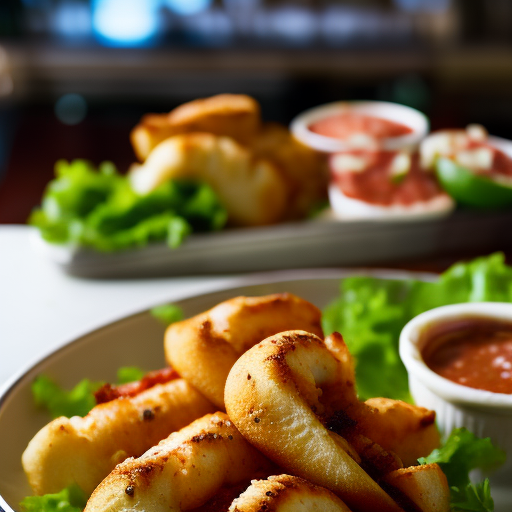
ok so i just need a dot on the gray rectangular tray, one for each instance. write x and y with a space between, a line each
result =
314 243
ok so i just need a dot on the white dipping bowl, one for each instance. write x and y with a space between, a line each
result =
408 116
484 413
347 208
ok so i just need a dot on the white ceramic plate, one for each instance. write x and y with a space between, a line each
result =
134 340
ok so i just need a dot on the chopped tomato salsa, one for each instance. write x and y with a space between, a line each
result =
376 184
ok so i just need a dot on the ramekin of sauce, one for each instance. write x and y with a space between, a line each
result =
459 360
342 126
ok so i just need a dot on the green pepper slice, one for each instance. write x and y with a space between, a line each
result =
469 188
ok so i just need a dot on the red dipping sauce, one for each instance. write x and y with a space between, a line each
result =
376 184
475 352
344 126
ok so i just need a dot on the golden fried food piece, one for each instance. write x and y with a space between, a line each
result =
231 115
204 348
426 486
405 429
182 472
275 394
252 190
285 493
85 450
304 169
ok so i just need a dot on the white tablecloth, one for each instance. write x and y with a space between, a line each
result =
40 307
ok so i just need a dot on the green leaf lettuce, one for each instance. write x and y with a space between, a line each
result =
460 454
371 312
98 208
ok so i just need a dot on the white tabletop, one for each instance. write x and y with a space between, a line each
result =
40 307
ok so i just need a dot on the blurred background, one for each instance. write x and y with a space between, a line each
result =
77 75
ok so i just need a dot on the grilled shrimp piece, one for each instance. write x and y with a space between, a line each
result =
285 493
204 348
85 450
252 190
275 394
182 472
232 115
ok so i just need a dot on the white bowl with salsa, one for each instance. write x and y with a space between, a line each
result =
345 125
459 360
384 185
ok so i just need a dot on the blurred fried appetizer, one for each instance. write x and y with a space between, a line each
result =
231 115
259 171
252 190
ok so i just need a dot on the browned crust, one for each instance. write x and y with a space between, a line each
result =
204 348
269 495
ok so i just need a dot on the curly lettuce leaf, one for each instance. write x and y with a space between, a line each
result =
70 499
127 374
460 454
80 400
99 209
485 279
59 402
371 312
167 313
472 498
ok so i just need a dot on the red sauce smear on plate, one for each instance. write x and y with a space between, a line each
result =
107 392
344 126
376 185
475 352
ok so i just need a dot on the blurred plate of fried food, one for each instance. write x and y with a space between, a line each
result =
260 184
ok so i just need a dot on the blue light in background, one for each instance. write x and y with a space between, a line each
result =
188 7
72 19
125 22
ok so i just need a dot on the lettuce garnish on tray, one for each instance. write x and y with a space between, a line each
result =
460 454
371 312
98 208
